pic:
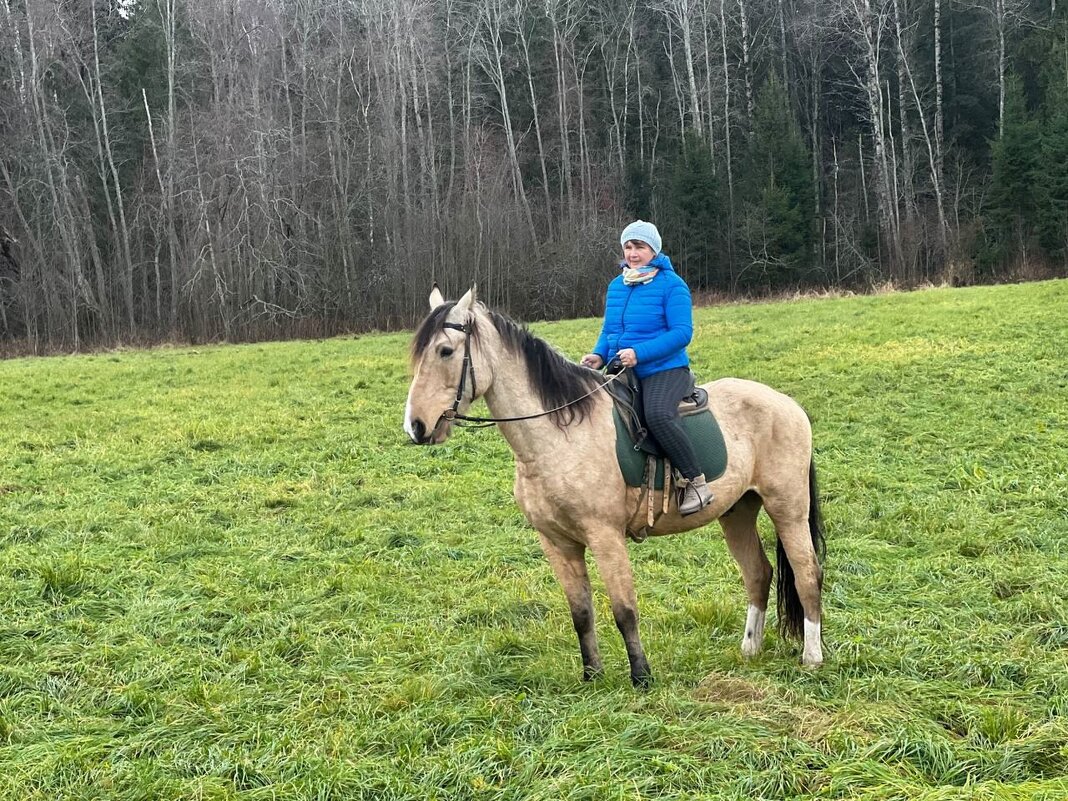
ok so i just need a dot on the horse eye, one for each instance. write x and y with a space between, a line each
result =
445 351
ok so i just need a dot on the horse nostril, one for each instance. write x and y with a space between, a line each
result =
418 430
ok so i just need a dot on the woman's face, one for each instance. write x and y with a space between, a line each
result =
637 254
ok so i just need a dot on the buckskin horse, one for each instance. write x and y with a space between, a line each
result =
570 487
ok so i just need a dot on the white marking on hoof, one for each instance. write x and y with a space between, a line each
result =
813 655
753 638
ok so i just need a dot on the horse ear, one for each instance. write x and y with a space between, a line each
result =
465 303
436 298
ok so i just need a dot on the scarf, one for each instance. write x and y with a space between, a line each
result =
639 275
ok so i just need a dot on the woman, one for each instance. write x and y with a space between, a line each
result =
648 322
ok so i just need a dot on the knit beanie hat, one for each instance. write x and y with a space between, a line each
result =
642 231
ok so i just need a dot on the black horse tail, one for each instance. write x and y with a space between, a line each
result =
791 612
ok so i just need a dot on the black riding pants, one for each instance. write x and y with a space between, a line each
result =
661 394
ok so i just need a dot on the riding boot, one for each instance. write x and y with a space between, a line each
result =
696 496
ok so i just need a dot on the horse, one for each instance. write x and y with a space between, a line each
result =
569 485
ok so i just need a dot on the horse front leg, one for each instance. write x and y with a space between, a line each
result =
568 561
610 550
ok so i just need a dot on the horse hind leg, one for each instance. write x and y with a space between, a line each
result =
568 561
800 579
743 540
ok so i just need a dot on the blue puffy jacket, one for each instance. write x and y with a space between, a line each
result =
656 319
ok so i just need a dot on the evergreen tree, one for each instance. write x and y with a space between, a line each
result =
1011 209
778 230
971 96
695 221
637 192
1052 185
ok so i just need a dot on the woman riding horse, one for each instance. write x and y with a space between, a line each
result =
648 322
569 484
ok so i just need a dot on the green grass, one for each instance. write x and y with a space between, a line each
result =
223 575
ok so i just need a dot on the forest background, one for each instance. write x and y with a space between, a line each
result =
246 169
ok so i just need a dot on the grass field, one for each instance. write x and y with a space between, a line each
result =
223 575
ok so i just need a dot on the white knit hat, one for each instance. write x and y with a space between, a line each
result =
642 231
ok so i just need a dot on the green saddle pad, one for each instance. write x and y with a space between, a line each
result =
704 433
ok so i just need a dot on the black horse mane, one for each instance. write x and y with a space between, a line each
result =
557 380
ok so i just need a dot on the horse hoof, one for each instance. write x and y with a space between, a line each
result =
643 682
591 673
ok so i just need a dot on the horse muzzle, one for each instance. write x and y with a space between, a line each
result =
421 435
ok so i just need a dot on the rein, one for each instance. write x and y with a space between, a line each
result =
453 414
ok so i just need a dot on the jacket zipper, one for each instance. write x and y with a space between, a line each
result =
623 318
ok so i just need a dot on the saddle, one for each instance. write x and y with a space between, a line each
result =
627 395
640 458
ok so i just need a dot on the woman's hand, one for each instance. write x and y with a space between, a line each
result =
593 361
628 357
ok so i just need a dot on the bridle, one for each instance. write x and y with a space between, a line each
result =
468 367
453 414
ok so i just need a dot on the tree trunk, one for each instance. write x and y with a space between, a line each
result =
814 135
908 167
676 82
895 194
169 197
566 195
640 92
616 135
124 231
727 108
710 124
863 180
685 21
54 163
221 287
999 12
727 139
103 295
493 64
939 126
872 40
450 93
19 85
746 73
585 162
402 114
932 160
782 45
837 220
162 195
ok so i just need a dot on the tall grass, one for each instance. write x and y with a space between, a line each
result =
223 575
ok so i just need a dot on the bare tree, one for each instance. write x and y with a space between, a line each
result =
491 56
908 169
930 142
867 21
939 120
743 20
1007 16
562 23
303 168
684 16
520 17
726 104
